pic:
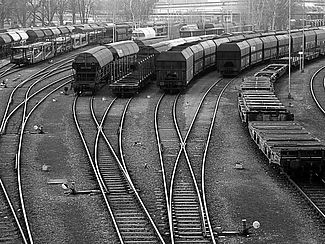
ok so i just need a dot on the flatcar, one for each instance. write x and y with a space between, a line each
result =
273 71
289 145
257 101
272 127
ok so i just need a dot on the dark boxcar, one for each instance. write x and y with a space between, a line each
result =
233 57
320 41
92 68
175 69
198 58
209 48
256 50
310 45
270 47
283 45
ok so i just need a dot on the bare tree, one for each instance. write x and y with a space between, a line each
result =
5 11
62 6
85 7
22 11
136 10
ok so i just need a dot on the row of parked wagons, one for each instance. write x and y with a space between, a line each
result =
32 45
128 65
175 63
272 127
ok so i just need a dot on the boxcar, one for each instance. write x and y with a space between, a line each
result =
93 69
233 57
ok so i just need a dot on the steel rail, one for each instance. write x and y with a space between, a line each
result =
120 135
183 145
12 209
3 73
206 153
92 162
37 74
183 148
312 90
126 174
5 122
36 82
18 162
99 129
129 177
162 162
304 194
96 168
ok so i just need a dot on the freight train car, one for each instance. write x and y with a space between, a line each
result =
236 56
272 127
30 45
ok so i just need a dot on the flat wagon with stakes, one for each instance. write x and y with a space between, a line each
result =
289 145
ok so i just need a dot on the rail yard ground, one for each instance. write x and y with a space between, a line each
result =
254 193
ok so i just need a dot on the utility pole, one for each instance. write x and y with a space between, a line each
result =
303 38
289 91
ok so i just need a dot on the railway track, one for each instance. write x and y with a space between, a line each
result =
130 217
6 70
12 143
184 185
312 188
317 88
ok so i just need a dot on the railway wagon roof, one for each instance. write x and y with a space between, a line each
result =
33 45
255 42
192 39
4 38
208 37
22 34
96 26
209 46
160 47
176 42
150 41
35 33
176 56
242 47
123 48
320 34
252 35
83 28
310 35
269 41
197 50
283 39
97 55
55 30
63 30
71 28
236 38
47 32
218 41
15 36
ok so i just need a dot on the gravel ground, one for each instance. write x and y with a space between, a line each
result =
253 193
